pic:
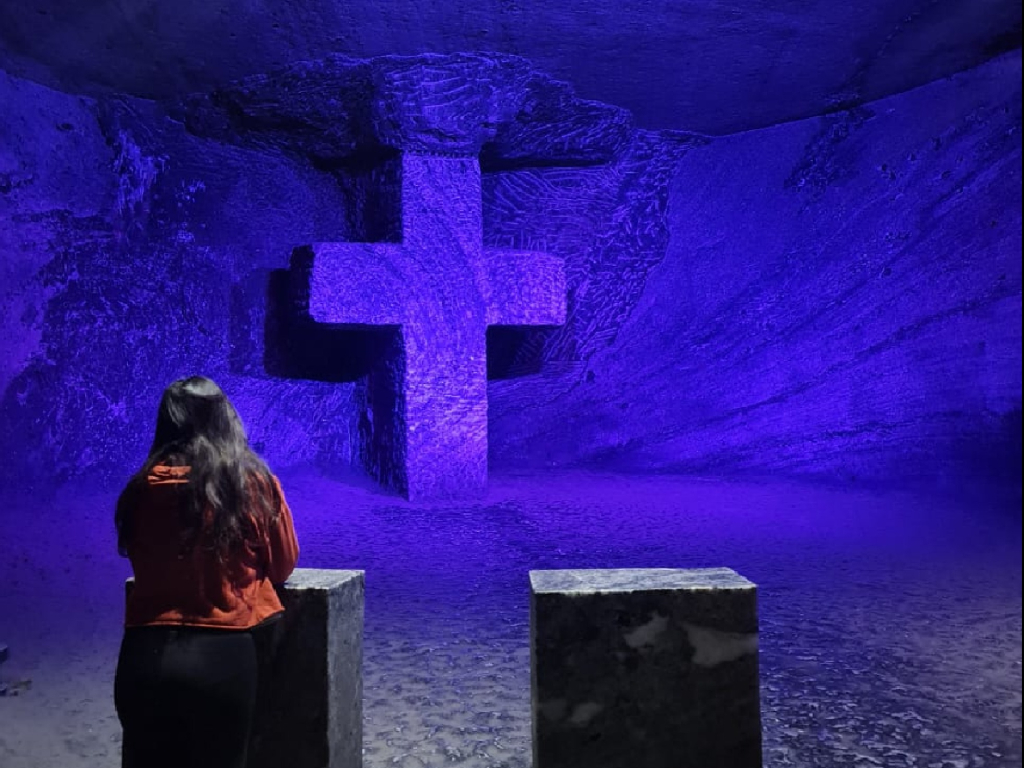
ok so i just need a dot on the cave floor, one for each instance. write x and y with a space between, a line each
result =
890 621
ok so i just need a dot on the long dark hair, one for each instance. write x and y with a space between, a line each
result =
197 426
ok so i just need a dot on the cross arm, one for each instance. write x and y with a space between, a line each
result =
353 283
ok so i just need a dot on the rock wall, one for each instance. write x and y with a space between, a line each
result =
134 253
169 258
839 298
714 66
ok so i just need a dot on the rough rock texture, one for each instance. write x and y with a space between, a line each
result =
333 108
314 718
610 226
836 297
424 422
839 297
56 177
179 266
715 66
431 286
651 668
134 253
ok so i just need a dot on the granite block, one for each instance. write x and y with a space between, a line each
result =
645 668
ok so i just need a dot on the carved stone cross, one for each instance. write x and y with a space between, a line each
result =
433 287
440 289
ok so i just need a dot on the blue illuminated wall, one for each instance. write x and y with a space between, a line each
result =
835 297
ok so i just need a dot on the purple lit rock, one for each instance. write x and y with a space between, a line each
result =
439 289
715 66
409 135
463 103
836 299
651 668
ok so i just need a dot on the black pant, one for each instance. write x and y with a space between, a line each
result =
185 697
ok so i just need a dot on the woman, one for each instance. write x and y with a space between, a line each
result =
208 533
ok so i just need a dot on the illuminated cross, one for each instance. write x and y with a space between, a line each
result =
440 289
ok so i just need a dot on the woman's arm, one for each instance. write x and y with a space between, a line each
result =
282 546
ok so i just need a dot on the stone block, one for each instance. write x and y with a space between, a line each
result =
651 668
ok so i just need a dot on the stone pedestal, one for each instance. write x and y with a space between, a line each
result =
310 712
312 716
654 668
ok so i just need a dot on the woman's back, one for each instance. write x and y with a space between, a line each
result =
208 532
194 586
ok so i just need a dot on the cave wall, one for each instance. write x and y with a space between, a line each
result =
831 298
713 66
839 298
135 253
137 250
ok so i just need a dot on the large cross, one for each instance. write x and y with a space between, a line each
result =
426 409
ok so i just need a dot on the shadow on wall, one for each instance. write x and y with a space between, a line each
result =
1002 459
298 347
516 351
989 462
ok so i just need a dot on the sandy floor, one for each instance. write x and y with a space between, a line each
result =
891 623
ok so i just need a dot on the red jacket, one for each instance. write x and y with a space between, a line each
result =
196 589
